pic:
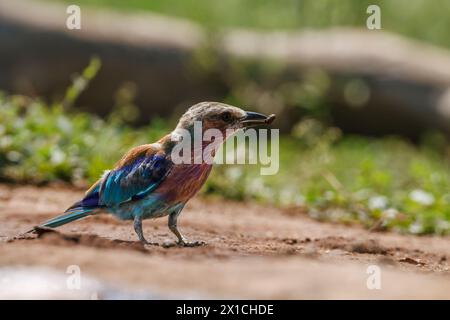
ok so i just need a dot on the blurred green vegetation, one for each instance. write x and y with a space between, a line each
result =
40 143
421 19
383 183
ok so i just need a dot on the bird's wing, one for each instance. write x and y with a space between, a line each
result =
139 172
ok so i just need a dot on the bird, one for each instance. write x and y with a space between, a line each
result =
147 183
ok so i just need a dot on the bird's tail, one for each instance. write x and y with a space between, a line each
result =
83 208
68 216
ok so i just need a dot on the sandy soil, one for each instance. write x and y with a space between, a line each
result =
252 251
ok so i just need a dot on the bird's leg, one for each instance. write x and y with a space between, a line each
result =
138 230
182 241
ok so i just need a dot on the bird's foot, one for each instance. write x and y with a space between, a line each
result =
184 243
192 243
148 243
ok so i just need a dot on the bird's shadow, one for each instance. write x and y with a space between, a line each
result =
54 237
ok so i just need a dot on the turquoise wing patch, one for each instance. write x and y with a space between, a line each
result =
133 181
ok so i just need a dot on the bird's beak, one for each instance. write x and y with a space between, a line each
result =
254 119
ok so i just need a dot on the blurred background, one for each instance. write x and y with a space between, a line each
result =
364 114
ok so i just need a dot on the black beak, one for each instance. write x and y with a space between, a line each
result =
255 118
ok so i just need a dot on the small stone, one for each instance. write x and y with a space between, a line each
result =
168 244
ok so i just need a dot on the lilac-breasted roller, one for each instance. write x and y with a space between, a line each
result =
147 183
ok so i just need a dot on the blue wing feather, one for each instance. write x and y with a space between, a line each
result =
133 181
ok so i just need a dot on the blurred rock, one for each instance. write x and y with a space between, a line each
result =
380 83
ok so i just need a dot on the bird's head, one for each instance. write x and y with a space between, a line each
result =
216 115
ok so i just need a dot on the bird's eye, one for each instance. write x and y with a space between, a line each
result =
226 117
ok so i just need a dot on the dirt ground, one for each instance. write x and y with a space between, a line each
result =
252 252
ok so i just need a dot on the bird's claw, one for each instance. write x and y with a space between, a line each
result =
148 243
184 243
194 243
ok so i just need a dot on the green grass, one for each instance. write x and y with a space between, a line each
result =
421 19
386 182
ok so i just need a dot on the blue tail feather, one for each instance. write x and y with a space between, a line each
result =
68 216
78 210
